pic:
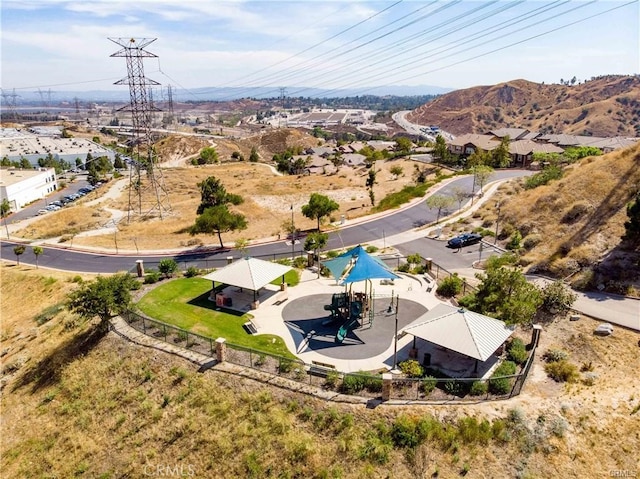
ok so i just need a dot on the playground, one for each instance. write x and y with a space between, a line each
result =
348 321
312 330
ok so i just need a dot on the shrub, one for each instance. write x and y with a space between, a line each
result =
479 388
167 267
191 272
517 352
450 287
514 241
414 258
454 388
498 384
428 384
152 277
331 381
371 249
260 360
352 383
48 313
562 371
300 262
285 366
404 267
531 240
557 298
411 368
405 433
554 355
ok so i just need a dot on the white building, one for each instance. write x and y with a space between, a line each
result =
21 187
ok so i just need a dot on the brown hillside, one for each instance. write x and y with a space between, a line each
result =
572 227
606 106
177 149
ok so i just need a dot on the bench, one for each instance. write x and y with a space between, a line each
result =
320 369
387 281
250 328
281 297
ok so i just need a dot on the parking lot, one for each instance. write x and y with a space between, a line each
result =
73 191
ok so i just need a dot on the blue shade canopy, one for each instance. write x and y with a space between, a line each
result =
363 267
337 265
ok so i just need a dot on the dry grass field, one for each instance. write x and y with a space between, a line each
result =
268 198
74 404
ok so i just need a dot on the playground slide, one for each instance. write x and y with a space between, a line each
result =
355 312
345 328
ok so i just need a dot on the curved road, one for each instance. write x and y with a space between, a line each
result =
392 224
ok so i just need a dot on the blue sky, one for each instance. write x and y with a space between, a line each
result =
63 45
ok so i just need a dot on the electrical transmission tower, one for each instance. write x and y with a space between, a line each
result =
9 99
147 195
169 116
283 92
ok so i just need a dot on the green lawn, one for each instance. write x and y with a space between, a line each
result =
184 303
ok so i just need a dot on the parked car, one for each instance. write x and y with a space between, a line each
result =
465 239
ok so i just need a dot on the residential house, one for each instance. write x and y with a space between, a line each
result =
465 145
521 151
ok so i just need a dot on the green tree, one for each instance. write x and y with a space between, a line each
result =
253 157
631 226
439 203
213 193
37 251
460 194
93 176
318 207
371 181
481 175
403 145
118 164
208 156
167 266
104 297
25 164
505 293
396 171
440 150
5 209
478 157
500 156
218 220
242 245
18 250
315 242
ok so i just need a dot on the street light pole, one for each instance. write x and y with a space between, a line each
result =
293 236
395 342
495 239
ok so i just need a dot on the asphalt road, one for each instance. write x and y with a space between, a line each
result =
64 257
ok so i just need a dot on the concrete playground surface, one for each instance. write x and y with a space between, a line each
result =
303 323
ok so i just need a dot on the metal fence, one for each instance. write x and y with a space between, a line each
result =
318 374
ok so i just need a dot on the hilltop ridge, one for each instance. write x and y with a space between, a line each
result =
605 106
